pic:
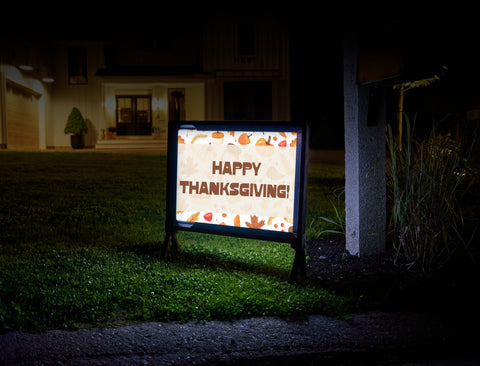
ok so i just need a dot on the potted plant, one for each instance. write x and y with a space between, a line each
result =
112 133
77 127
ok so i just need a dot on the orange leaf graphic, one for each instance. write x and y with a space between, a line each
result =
254 223
236 221
194 217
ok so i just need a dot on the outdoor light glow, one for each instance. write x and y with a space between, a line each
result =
110 103
157 103
26 67
48 80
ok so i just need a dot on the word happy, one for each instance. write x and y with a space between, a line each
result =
227 167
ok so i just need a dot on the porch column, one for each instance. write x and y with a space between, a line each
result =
365 194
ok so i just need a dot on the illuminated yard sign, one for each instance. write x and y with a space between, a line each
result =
240 179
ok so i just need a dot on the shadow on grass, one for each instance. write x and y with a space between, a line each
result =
219 261
214 260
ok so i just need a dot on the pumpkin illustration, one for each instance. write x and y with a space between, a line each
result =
244 139
217 138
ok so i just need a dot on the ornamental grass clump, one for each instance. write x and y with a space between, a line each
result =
425 182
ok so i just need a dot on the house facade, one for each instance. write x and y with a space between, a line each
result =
128 85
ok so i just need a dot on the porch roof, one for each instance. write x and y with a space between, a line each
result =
150 71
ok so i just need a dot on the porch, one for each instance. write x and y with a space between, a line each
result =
132 143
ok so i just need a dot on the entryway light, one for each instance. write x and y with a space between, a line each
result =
26 67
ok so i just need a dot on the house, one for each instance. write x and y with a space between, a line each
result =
134 81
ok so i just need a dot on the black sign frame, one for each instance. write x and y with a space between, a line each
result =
296 238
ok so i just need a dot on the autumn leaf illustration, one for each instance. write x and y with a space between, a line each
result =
254 224
194 217
236 221
189 167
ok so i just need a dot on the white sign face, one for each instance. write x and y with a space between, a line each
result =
237 178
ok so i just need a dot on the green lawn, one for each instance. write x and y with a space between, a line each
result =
80 235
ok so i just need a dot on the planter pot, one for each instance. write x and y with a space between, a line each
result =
77 141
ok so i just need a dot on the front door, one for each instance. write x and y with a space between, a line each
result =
134 115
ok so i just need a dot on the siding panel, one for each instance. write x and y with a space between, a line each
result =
22 118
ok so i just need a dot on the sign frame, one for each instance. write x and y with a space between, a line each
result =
296 237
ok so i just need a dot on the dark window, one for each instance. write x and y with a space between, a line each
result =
176 104
247 101
77 65
246 39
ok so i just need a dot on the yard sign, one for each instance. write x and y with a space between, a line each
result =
240 179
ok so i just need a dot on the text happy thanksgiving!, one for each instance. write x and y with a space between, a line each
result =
235 188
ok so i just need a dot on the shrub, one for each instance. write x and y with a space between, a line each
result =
425 181
75 123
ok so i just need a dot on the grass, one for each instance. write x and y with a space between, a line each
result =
80 236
